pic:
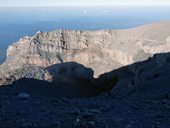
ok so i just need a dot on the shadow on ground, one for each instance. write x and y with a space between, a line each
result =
75 80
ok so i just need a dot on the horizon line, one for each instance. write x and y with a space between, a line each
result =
87 6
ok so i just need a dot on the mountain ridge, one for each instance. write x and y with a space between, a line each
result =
102 50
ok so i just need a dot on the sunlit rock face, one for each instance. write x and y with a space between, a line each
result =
102 50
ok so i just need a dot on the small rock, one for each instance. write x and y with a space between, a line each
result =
91 124
88 115
106 109
76 123
23 96
94 111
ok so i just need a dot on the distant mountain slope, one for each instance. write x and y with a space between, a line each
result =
156 31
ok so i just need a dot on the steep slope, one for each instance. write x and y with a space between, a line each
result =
151 75
102 50
140 99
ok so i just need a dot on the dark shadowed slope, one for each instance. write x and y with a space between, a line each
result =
33 87
76 76
151 74
140 98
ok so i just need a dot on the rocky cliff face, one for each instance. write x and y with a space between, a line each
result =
102 50
140 97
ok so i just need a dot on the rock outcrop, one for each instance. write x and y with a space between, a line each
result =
102 50
140 97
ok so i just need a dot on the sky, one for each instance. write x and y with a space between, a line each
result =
20 3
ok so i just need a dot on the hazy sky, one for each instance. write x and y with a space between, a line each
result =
81 2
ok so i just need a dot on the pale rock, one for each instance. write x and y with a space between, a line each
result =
102 50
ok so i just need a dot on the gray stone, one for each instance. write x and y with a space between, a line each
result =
91 124
23 96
